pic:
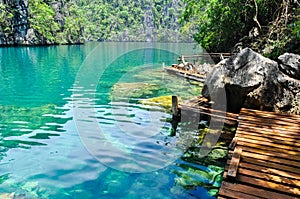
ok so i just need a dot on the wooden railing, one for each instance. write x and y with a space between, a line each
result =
205 57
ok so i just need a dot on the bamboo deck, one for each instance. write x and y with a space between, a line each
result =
265 158
186 74
194 74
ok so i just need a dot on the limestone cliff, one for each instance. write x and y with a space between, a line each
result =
14 26
46 22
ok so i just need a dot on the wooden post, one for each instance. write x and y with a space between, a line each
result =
175 105
175 115
234 163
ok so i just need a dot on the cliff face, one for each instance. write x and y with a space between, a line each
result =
45 22
32 22
14 26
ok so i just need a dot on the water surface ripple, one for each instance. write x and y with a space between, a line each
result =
66 132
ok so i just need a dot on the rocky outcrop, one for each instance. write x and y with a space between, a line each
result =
17 29
253 81
290 64
16 26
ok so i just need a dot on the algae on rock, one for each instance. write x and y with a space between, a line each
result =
162 101
136 90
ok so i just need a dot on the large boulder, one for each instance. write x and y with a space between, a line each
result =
289 64
253 81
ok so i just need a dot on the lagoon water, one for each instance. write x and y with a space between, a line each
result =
74 124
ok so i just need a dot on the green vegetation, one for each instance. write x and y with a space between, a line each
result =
131 20
41 19
70 21
267 26
6 16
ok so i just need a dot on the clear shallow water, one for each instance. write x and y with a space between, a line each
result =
68 131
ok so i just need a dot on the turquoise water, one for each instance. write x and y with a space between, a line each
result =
73 124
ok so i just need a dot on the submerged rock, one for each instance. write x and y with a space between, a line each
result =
7 195
162 101
135 90
253 81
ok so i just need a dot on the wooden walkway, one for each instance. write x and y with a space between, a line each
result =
264 161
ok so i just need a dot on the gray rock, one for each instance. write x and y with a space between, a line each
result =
31 38
238 76
290 64
253 81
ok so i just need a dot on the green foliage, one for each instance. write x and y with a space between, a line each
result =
6 16
41 18
73 25
70 21
219 24
295 27
115 20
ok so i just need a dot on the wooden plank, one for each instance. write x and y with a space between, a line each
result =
294 119
270 139
271 171
262 193
234 163
214 117
282 133
270 177
268 134
272 167
272 154
276 160
267 148
245 111
270 144
269 122
293 129
211 111
228 193
271 115
273 119
269 185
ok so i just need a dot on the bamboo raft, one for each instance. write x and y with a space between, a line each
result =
264 160
192 73
185 73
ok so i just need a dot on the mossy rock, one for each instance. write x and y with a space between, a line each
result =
136 90
162 101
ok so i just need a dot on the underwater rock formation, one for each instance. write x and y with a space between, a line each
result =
134 90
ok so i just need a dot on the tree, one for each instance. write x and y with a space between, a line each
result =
5 19
41 19
268 26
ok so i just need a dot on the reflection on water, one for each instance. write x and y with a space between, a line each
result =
43 148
